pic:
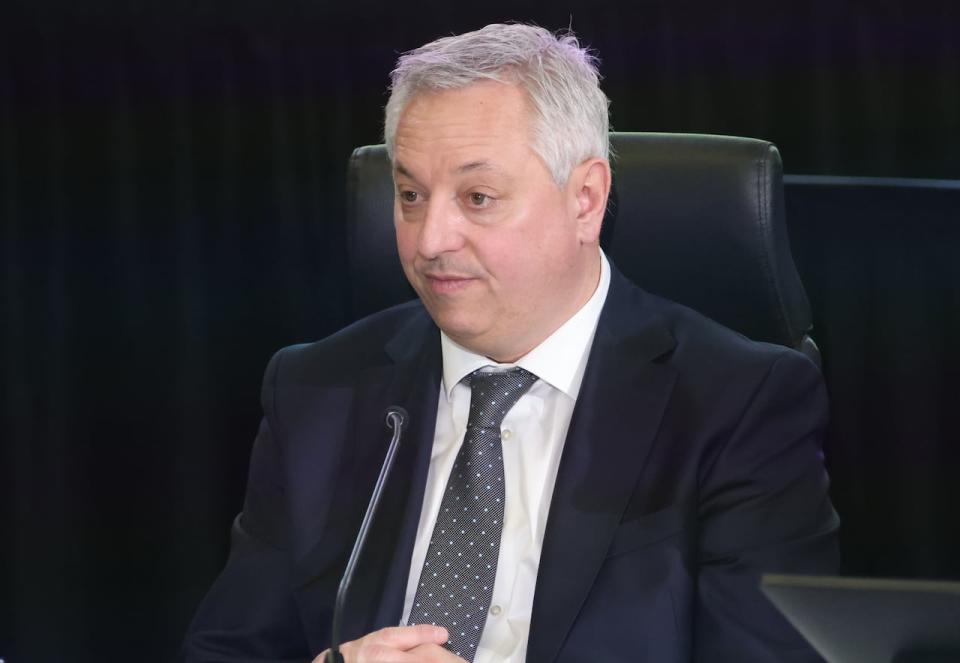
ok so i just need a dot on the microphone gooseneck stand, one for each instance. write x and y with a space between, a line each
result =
397 418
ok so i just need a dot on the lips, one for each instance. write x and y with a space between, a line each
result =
444 284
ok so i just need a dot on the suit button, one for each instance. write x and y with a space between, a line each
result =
495 610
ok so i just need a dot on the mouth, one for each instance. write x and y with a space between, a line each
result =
443 284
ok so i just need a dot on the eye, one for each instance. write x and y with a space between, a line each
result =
408 196
478 199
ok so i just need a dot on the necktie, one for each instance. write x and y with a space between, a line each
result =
456 582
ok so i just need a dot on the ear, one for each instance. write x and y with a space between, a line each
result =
589 185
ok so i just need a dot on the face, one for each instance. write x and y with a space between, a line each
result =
498 253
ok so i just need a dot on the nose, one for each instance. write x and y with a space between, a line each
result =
441 230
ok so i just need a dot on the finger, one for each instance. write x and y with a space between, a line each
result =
408 637
389 645
364 651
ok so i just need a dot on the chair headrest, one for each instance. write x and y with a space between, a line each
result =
699 219
695 218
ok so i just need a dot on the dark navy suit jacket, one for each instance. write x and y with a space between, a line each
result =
693 464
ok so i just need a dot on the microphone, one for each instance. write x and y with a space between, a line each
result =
396 418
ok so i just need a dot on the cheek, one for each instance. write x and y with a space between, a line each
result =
518 269
549 244
528 259
406 241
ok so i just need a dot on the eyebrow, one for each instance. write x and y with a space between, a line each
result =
400 168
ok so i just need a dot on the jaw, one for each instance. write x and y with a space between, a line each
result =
485 333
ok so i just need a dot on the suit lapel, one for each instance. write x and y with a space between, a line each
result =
614 423
383 567
416 388
411 381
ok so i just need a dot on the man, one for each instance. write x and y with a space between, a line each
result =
591 473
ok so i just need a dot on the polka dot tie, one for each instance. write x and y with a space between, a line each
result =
456 583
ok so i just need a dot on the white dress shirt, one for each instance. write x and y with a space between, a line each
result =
533 433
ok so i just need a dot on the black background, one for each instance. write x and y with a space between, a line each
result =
171 213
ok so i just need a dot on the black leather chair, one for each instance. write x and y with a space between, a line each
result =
698 219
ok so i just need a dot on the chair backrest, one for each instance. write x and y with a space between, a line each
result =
698 219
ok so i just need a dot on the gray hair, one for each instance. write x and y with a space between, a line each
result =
571 121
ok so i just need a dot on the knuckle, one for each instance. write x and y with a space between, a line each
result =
389 635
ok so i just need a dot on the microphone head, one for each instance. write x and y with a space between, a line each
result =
397 417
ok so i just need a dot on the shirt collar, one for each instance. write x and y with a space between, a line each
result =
559 360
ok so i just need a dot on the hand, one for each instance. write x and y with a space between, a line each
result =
398 644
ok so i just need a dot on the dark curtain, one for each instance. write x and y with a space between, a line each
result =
879 262
171 213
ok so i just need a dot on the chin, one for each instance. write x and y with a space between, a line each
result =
461 331
462 334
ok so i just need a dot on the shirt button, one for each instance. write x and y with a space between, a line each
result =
505 434
495 610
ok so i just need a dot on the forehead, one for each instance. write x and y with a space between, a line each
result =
486 122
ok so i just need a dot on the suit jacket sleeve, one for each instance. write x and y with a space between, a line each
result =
763 507
249 614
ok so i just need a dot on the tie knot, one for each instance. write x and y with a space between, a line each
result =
492 394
